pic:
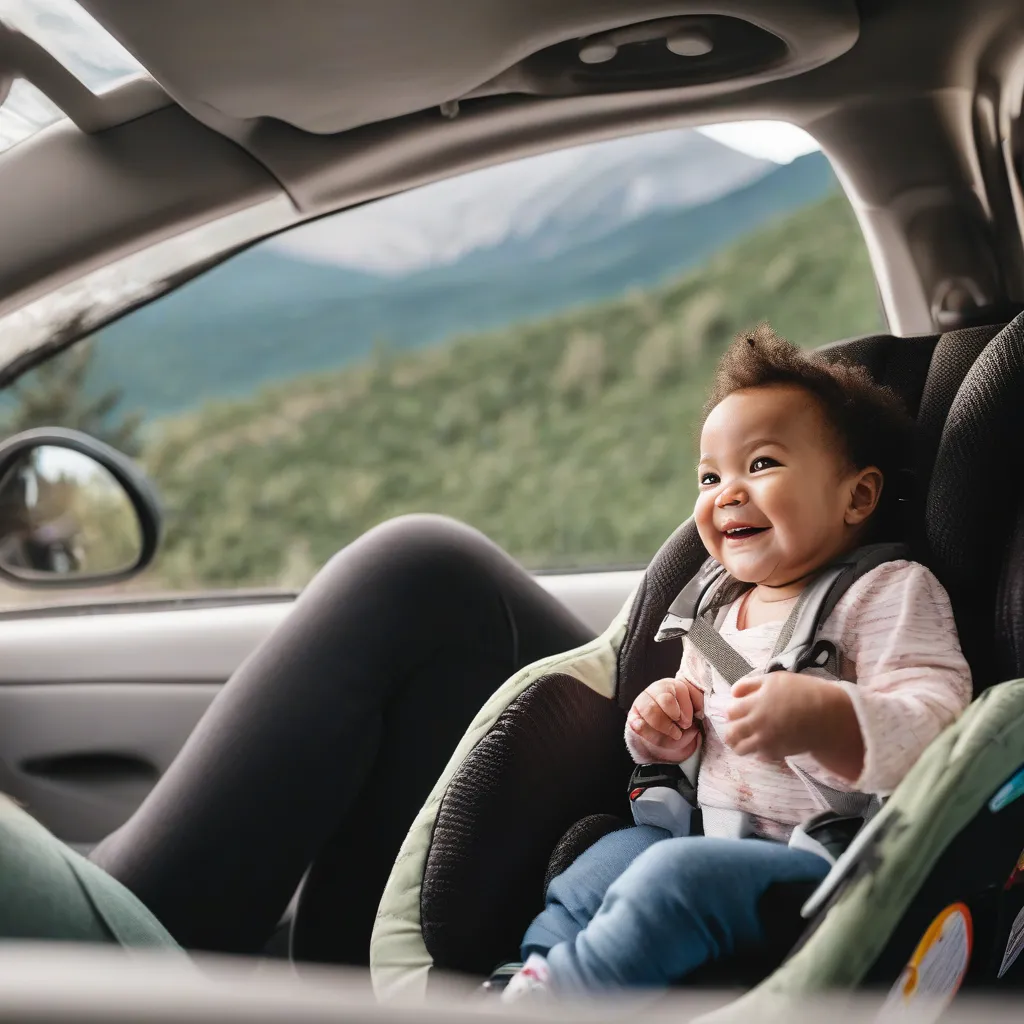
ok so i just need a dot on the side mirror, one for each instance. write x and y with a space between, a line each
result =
73 511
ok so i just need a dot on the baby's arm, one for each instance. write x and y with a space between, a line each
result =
912 679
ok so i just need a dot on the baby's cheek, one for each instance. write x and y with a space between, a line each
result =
703 518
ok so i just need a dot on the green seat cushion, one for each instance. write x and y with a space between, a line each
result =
50 892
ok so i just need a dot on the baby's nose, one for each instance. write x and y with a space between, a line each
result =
731 496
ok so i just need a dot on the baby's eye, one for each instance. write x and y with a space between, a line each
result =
762 462
708 479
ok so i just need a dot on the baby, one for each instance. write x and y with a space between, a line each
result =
794 456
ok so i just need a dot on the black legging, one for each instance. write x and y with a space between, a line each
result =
324 744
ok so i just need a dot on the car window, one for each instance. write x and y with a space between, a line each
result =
525 348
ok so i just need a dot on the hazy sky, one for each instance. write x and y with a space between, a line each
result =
442 221
772 140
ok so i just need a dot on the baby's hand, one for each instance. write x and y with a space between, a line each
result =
663 718
784 713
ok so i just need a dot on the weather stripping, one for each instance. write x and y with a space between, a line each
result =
55 321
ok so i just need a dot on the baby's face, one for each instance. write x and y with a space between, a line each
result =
777 497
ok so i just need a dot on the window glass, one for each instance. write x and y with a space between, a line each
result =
75 38
525 348
25 111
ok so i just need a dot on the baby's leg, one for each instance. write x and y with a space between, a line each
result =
573 897
680 904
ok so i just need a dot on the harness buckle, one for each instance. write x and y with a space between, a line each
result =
662 796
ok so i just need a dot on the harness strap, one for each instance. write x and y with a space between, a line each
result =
721 655
847 804
729 664
732 666
792 624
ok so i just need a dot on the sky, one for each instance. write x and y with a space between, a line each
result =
771 140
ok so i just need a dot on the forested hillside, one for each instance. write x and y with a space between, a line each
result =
568 439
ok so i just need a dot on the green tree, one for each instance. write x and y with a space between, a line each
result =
54 394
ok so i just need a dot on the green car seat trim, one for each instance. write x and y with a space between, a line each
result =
399 960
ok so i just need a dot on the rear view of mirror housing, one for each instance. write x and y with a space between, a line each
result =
74 512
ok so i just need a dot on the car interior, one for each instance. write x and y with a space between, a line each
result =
237 122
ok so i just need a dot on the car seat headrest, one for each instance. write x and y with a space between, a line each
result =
641 660
973 513
954 354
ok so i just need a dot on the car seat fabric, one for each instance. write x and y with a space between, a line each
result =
546 751
975 517
954 354
899 363
431 865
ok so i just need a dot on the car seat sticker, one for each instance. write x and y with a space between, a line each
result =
936 970
1007 793
1017 874
1014 944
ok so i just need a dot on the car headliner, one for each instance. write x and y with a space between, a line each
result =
267 113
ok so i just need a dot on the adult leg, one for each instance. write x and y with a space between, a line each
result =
326 741
681 904
574 896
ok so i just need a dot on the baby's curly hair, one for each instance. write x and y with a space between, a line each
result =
869 420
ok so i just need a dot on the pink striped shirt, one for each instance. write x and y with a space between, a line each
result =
904 672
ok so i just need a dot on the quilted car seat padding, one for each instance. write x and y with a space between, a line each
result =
974 505
954 355
899 363
505 810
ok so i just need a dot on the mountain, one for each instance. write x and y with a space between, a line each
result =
537 206
264 316
567 439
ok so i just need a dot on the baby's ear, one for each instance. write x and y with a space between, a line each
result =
864 495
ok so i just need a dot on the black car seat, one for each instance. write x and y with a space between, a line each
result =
546 751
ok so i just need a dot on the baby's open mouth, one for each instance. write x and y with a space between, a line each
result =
739 532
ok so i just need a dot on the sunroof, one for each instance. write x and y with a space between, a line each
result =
25 112
75 38
78 41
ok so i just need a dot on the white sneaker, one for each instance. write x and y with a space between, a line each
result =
531 981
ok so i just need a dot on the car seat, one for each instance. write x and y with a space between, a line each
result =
544 762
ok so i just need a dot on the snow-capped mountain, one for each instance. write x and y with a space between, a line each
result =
540 205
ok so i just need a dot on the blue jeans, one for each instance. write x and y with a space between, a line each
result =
641 909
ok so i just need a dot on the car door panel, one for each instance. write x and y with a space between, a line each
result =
81 756
95 704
